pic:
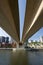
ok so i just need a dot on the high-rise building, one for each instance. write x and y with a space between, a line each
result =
41 39
4 39
7 39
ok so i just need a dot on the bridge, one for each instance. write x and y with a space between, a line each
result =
9 18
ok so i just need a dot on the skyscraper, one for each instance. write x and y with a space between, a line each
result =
6 39
2 39
41 39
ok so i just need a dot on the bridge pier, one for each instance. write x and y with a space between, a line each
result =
17 45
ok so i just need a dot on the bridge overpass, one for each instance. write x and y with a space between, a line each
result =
9 18
33 18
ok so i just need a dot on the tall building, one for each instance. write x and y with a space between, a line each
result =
41 39
4 39
7 39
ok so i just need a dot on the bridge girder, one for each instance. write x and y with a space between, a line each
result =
9 18
31 10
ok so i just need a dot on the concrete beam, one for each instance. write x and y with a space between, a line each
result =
7 27
37 25
7 21
15 13
32 13
31 9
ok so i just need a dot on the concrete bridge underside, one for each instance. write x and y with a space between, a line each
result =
33 18
9 18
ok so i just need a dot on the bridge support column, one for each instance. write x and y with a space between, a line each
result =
17 45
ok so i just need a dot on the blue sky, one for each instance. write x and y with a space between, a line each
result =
22 6
37 35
